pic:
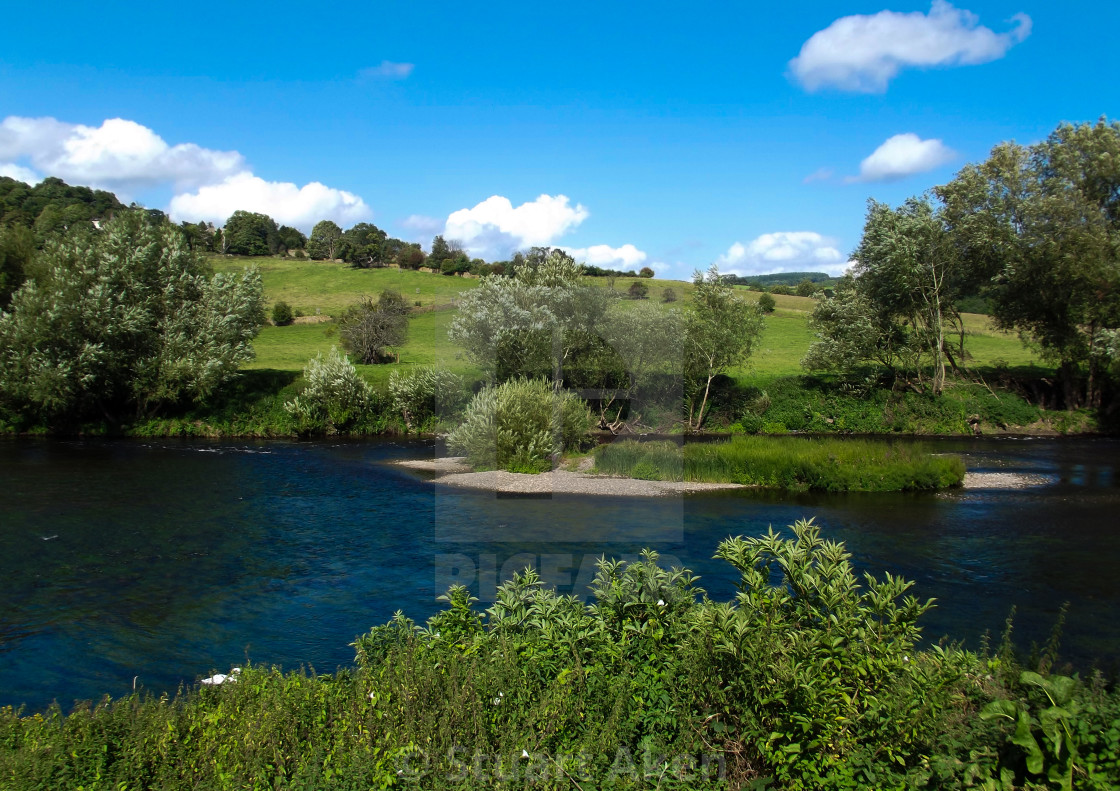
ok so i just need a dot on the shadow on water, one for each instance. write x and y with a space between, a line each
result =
168 559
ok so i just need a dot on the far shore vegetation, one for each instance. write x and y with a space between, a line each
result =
890 349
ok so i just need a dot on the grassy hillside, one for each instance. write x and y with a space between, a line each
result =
326 289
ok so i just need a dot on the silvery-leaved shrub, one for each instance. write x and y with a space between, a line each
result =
423 393
520 425
336 397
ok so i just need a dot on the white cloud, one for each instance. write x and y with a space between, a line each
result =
904 155
863 53
285 202
19 173
495 228
387 70
119 154
784 251
626 257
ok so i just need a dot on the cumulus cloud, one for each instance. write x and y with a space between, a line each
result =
784 251
123 156
904 155
495 228
19 173
285 202
387 70
864 52
602 255
119 154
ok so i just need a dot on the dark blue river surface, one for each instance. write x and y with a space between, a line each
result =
165 560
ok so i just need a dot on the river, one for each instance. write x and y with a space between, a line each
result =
157 562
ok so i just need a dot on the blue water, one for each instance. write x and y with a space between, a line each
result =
161 561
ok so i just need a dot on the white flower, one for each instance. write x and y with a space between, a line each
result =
660 602
524 754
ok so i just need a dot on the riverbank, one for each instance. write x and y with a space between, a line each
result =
453 471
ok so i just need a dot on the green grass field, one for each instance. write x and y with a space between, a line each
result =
327 288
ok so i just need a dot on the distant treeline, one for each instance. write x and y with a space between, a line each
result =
780 279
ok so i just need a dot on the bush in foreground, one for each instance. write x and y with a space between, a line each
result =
422 394
807 679
520 425
800 464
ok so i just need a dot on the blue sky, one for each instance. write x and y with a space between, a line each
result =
663 134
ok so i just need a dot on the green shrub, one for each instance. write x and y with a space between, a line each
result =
335 399
425 393
520 425
767 303
282 314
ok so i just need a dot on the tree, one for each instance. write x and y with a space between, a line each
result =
537 323
440 253
370 329
1040 226
324 240
362 245
290 238
17 249
638 290
647 340
282 314
645 272
908 268
250 233
719 332
124 323
852 332
766 302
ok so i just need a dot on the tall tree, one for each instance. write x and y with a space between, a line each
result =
324 240
720 332
908 268
1041 225
17 248
362 245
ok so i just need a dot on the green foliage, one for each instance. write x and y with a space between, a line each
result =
335 398
798 464
421 394
720 332
766 303
645 271
637 290
1041 227
251 233
268 730
22 205
541 320
282 314
369 330
668 295
17 249
324 241
124 323
521 425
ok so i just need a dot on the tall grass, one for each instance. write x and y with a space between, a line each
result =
798 464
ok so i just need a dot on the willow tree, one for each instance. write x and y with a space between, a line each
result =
122 323
908 269
1041 226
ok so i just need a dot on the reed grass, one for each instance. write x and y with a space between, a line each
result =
793 463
